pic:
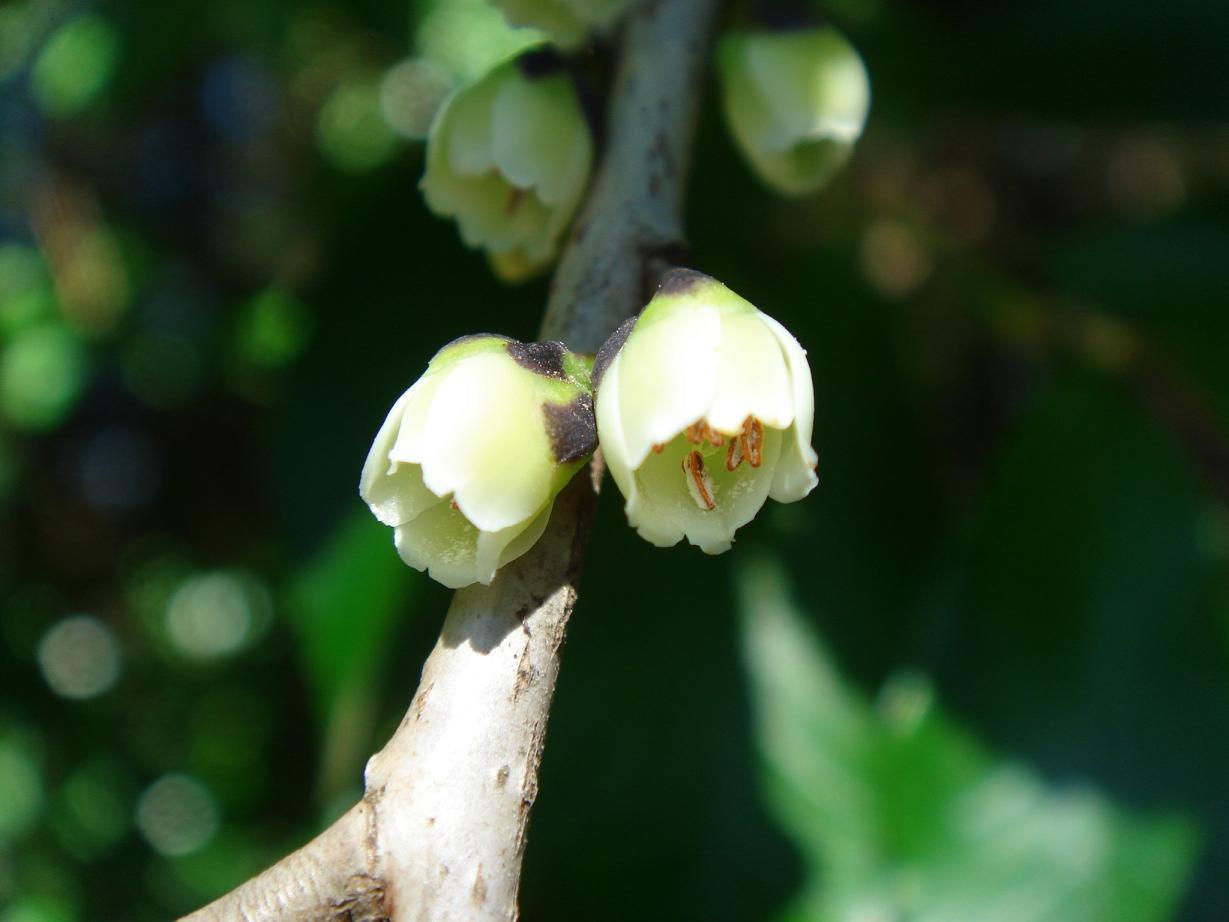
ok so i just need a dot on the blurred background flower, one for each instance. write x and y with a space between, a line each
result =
981 673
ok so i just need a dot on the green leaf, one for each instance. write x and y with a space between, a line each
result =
900 815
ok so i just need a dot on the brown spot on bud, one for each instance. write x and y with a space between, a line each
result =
606 354
571 428
680 281
544 359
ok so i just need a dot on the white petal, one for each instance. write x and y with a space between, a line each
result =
795 476
675 361
752 376
488 444
410 444
394 491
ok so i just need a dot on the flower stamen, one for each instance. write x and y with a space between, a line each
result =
699 484
701 431
748 445
753 438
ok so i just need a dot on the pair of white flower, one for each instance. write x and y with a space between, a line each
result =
509 155
704 409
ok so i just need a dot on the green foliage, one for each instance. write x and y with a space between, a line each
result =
901 816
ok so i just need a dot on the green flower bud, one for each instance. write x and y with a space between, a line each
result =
796 102
509 156
567 22
469 460
704 409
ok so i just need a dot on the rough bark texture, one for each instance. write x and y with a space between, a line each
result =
440 832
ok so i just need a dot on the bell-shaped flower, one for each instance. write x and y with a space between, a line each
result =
508 157
567 22
796 102
469 460
704 410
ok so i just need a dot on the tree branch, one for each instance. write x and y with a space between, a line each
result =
440 831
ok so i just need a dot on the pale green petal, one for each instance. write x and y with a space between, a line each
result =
400 495
666 510
613 442
540 138
496 548
815 82
796 102
676 360
464 126
752 377
795 476
751 115
488 442
442 542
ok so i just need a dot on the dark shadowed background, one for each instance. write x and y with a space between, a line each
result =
981 674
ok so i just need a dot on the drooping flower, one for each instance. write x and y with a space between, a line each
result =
469 460
508 157
567 22
796 102
704 409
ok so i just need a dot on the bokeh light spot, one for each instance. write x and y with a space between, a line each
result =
21 790
75 65
273 329
351 129
79 657
92 809
215 614
893 259
410 94
25 288
118 470
42 371
40 907
177 815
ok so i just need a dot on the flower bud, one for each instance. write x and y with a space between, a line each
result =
509 156
469 460
795 101
566 21
704 409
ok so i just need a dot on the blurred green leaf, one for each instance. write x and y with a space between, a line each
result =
344 606
902 816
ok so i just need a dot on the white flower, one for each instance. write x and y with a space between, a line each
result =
796 102
567 22
468 463
509 156
704 409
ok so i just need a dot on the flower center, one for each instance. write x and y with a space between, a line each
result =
747 445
